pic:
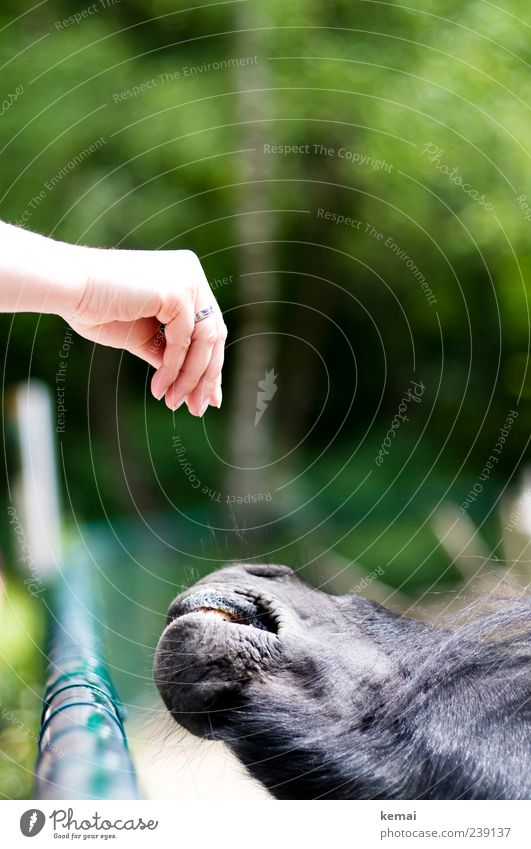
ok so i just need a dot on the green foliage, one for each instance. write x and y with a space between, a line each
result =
21 637
378 80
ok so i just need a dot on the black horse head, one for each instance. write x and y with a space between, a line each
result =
337 697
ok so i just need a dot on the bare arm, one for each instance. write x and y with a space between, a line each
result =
121 298
38 274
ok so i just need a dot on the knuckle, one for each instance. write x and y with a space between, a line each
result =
189 256
192 266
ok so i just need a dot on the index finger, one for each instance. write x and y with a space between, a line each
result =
178 333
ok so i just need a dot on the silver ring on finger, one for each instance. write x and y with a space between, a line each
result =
204 313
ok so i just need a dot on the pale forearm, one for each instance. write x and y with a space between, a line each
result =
38 274
121 298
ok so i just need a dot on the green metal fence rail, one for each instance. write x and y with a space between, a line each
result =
83 751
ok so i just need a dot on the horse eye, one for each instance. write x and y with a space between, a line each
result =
265 570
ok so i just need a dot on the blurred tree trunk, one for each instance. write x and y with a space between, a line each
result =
250 445
299 400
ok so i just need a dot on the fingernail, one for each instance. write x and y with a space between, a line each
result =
157 394
203 408
179 403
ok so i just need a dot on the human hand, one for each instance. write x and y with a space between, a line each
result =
126 298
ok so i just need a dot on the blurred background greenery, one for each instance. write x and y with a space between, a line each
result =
244 131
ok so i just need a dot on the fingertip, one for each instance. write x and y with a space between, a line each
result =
174 405
157 388
217 397
197 406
